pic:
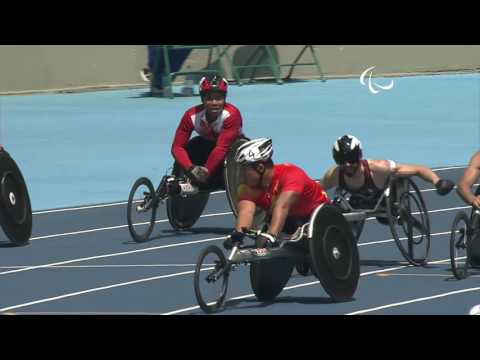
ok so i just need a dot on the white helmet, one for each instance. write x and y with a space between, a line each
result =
254 151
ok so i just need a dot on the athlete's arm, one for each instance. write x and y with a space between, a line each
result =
423 172
232 128
469 177
280 212
246 213
330 179
180 141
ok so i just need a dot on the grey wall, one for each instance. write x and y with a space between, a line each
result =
36 68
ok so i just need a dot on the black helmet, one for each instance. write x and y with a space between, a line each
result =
347 149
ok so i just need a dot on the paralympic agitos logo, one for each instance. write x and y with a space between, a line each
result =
373 86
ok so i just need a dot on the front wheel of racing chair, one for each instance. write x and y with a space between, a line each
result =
141 209
474 244
408 220
460 237
183 212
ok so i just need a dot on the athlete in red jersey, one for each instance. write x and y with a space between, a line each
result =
218 124
285 191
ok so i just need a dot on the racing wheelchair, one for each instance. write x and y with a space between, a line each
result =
464 243
182 211
326 241
402 208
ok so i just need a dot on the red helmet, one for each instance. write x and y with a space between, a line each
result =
216 83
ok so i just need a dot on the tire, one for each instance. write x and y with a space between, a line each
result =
407 212
133 212
474 243
303 267
334 253
201 278
269 277
15 206
182 212
459 238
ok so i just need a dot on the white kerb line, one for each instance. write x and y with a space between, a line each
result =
115 227
414 301
96 206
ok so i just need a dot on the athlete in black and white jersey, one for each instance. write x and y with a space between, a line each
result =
367 179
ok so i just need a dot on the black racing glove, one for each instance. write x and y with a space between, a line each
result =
198 173
266 240
235 238
444 186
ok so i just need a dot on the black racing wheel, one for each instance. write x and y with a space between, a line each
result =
141 209
183 212
459 237
211 279
408 220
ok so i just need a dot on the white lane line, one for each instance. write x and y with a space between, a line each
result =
431 211
422 275
138 313
447 209
450 168
430 189
414 301
95 206
302 285
78 208
92 290
103 266
35 267
402 238
114 227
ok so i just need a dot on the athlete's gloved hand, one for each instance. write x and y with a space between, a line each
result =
476 202
266 240
235 238
199 173
444 186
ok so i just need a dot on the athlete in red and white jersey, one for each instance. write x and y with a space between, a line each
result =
285 191
218 124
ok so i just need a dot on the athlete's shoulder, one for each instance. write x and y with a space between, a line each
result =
194 110
475 160
245 192
380 165
332 170
289 168
232 110
231 107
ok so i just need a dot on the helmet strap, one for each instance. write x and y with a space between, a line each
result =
262 173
